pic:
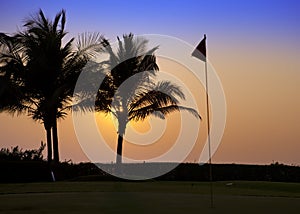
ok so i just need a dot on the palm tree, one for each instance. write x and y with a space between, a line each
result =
142 95
54 68
11 97
51 70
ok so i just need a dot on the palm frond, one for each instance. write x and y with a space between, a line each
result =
161 93
61 16
44 21
38 21
160 112
56 21
170 88
90 44
140 46
151 98
63 21
148 63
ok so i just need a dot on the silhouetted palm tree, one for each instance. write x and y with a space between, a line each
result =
11 97
51 69
140 95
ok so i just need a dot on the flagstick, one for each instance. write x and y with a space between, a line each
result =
208 138
201 49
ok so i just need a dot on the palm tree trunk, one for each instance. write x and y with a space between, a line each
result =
55 142
49 145
119 149
121 131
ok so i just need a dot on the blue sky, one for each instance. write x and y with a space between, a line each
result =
187 20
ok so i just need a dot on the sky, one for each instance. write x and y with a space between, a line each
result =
253 46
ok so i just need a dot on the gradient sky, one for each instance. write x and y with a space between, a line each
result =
253 45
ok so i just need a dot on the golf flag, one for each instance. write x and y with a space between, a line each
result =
200 51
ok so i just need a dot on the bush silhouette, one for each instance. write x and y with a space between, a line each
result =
17 154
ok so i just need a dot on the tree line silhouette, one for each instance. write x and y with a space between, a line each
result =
39 73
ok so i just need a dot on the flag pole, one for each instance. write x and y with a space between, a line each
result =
208 136
200 53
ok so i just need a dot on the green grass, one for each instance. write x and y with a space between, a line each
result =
149 197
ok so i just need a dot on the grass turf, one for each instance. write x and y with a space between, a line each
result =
149 197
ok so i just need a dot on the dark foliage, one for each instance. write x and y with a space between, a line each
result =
17 154
226 172
40 171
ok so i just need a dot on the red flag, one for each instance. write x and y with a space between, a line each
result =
200 51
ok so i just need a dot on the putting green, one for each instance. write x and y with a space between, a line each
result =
149 197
